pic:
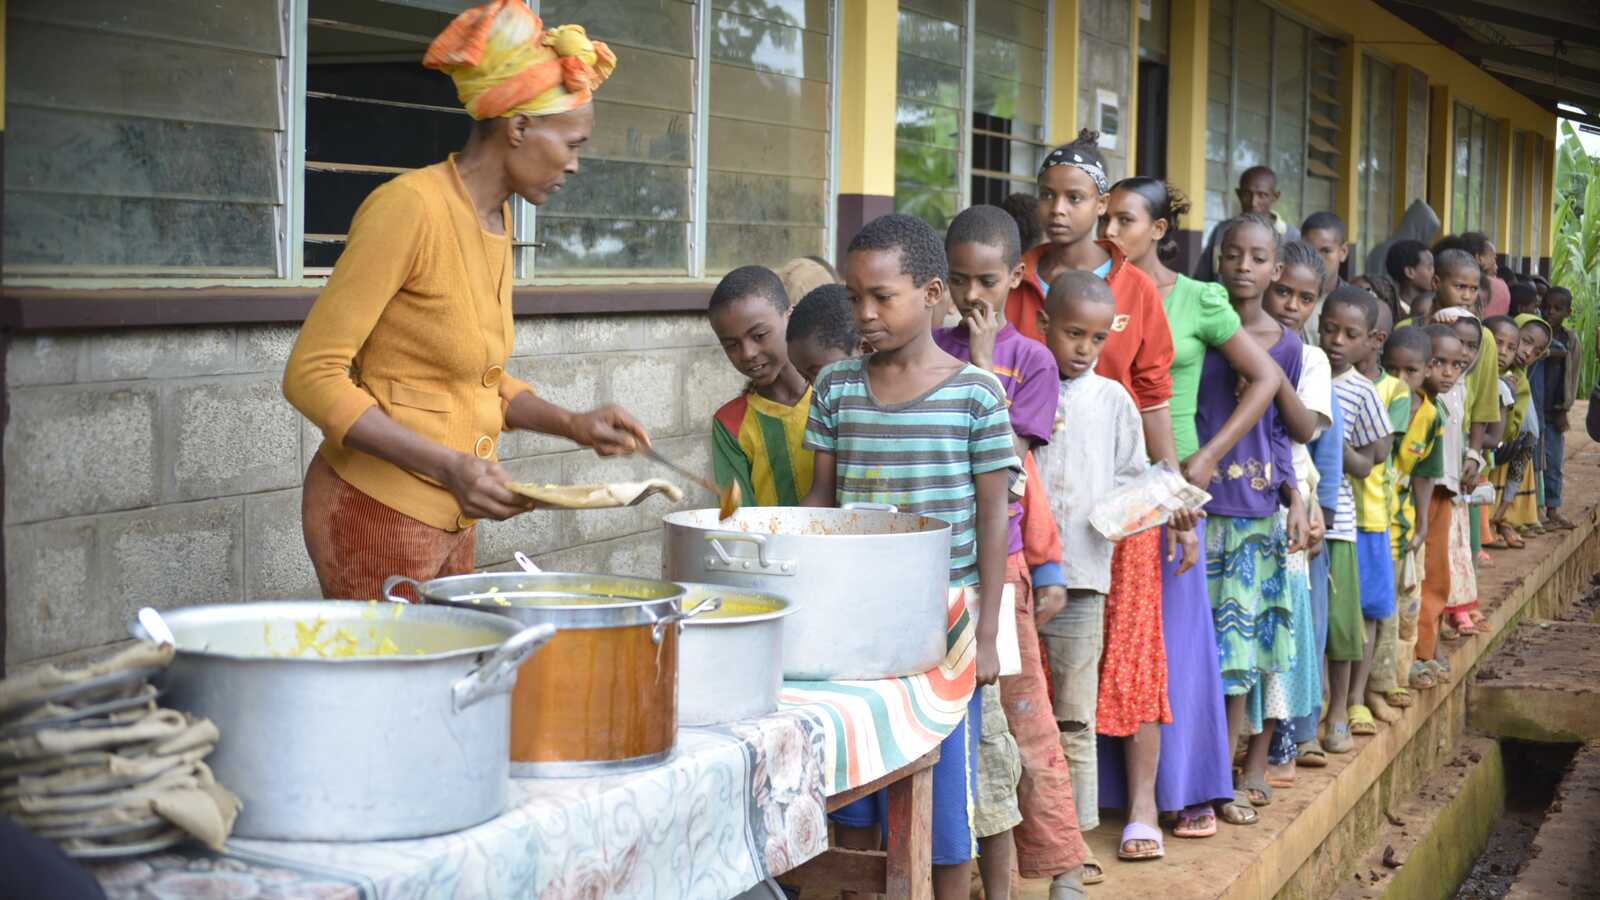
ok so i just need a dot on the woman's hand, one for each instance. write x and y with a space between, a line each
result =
479 486
609 431
1316 530
1297 527
1198 469
1183 544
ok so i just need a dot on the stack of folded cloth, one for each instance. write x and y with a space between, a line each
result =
90 761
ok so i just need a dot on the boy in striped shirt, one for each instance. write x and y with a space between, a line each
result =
1348 316
912 426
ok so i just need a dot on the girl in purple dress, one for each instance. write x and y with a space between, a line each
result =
1247 541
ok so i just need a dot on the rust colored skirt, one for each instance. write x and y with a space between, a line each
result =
355 542
1133 665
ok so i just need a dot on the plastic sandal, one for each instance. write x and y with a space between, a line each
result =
1093 872
1509 536
1463 623
1256 786
1339 740
1361 721
1310 754
1422 677
1238 811
1399 698
1190 823
1138 831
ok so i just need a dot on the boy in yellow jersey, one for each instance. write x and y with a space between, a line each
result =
756 437
1375 502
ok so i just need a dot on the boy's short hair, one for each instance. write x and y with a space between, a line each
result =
1226 229
1077 285
1385 322
1523 292
1300 253
824 315
749 281
1474 242
1324 221
1448 242
1403 255
1439 330
990 226
1360 298
1024 210
1558 290
1451 260
921 252
1494 322
1409 338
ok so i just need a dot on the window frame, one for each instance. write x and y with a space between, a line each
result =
1313 32
965 171
290 159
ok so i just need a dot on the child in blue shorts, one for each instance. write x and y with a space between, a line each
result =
952 459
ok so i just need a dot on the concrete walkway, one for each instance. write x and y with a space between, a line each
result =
1314 835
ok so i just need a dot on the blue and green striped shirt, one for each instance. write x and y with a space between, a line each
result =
921 455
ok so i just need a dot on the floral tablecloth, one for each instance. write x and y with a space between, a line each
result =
872 728
734 805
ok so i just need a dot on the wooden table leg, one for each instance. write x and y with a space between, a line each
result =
910 850
905 872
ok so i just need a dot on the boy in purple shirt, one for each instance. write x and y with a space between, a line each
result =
985 255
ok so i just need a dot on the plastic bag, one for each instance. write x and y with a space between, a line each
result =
1145 502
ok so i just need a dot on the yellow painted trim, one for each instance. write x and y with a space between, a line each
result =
1547 238
2 65
868 44
1064 70
1365 22
1441 153
1347 195
1402 146
1189 46
1502 202
1529 147
1131 113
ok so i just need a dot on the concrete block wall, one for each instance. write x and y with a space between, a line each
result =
162 466
1104 58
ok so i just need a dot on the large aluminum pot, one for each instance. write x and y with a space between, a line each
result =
871 584
603 696
355 748
730 662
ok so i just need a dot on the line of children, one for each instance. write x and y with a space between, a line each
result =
1337 550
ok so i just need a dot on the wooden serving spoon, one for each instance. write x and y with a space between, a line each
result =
727 497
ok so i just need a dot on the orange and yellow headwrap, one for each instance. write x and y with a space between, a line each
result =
504 62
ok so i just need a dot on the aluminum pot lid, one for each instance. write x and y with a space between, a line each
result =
308 632
810 522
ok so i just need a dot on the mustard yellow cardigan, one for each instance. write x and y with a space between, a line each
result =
412 321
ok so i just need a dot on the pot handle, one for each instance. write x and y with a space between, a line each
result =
499 672
710 604
721 559
876 507
394 581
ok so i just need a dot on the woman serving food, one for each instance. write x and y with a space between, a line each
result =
402 359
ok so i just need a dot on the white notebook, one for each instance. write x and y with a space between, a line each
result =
1005 639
